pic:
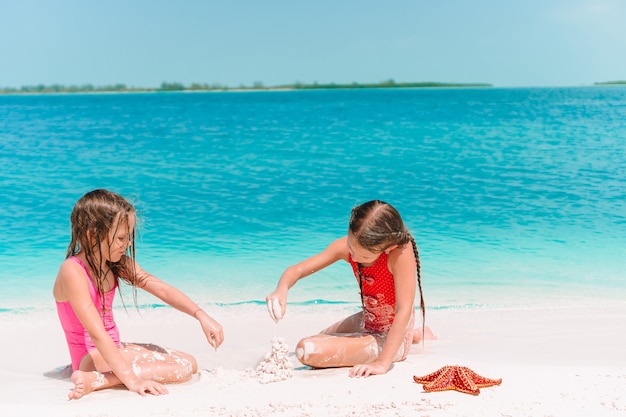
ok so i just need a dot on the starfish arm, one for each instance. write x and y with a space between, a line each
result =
464 382
444 382
430 377
481 381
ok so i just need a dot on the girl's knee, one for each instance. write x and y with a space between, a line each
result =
194 364
188 363
304 349
300 350
314 351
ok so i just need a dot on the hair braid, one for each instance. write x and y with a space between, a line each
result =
419 286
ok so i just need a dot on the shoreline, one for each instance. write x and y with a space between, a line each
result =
302 300
547 358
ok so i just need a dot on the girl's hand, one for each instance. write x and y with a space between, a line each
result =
276 304
211 328
365 370
145 386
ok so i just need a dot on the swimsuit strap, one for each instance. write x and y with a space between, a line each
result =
79 262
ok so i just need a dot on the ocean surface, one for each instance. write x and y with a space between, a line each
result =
516 197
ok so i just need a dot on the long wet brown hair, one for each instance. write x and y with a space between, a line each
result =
95 215
376 226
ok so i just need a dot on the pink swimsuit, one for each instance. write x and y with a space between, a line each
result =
78 340
378 294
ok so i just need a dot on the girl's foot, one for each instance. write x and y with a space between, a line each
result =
85 382
428 334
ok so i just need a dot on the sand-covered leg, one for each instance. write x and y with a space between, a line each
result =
333 351
87 382
160 364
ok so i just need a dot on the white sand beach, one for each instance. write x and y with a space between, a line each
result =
560 361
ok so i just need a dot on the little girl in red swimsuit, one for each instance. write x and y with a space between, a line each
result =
384 258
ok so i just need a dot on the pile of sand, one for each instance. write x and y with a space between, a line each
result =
276 366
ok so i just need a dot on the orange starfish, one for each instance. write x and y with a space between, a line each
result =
458 378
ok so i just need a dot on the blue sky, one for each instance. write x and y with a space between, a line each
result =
142 43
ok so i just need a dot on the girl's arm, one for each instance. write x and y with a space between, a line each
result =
71 285
177 299
335 251
402 265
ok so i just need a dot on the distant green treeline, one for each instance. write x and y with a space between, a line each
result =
175 86
612 83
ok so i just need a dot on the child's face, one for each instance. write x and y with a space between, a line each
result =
120 240
360 254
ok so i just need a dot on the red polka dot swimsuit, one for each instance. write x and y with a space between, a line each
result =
378 294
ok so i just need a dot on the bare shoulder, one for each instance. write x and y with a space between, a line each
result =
339 248
335 251
70 277
340 243
402 258
70 269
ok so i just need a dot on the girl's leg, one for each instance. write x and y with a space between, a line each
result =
351 324
148 361
428 334
344 344
333 351
92 374
89 381
166 366
341 344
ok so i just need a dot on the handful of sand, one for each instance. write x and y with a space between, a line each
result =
276 366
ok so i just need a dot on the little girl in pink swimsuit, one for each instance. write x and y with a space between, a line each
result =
102 252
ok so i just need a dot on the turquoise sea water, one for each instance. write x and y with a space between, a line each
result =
513 195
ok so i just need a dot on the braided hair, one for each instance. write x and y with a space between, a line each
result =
377 225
